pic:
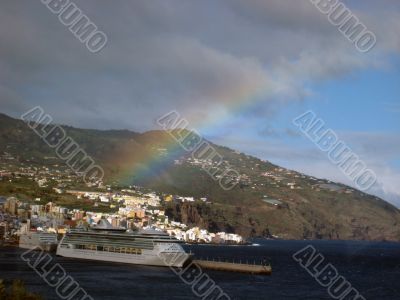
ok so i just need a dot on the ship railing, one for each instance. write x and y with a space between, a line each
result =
262 262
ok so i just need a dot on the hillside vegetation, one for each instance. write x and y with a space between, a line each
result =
306 207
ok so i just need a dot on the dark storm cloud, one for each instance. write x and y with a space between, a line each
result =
197 57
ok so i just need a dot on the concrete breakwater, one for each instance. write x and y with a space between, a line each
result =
234 267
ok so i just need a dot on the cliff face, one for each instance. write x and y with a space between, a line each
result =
286 222
199 215
311 209
187 214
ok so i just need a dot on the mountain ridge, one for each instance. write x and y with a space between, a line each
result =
311 209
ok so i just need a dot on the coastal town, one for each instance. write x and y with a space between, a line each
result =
130 207
50 197
18 218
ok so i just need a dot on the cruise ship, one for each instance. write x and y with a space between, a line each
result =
43 240
105 243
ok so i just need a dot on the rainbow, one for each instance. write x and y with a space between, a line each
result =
135 164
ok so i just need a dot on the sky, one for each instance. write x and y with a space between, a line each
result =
238 70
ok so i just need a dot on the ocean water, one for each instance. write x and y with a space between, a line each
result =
372 268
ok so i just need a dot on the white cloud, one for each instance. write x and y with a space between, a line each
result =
195 57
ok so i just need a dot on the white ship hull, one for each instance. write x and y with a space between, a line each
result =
34 240
152 250
148 257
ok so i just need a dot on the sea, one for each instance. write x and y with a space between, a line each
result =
372 268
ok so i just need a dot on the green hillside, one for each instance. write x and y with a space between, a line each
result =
312 208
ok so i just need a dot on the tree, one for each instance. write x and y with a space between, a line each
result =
17 291
2 290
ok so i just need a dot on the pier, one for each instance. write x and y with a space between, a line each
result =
259 269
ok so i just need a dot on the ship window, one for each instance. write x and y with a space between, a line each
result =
114 249
99 248
90 247
136 251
